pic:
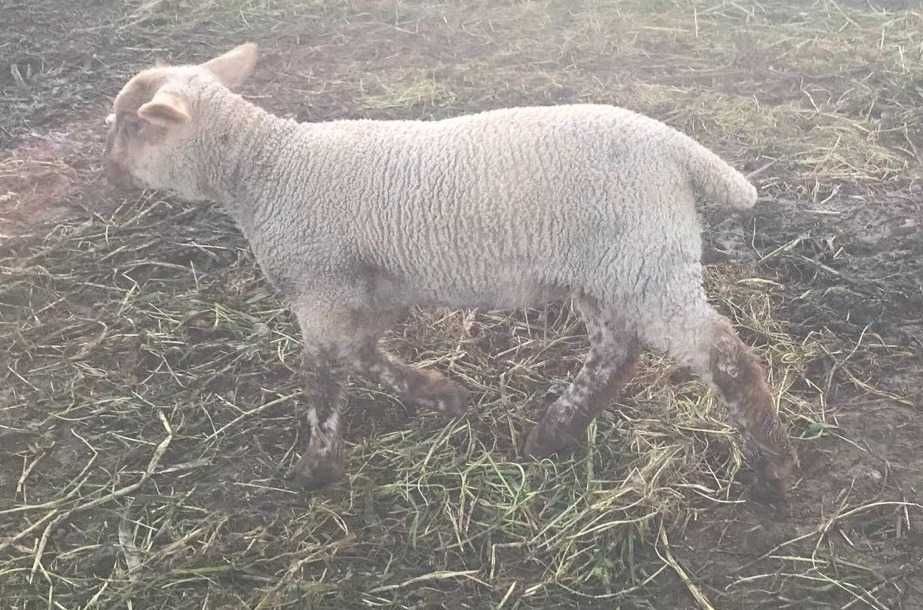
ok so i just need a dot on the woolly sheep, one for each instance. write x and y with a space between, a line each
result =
356 221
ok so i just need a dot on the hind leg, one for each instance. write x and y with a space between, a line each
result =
706 342
609 364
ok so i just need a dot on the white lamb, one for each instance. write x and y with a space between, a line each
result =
355 221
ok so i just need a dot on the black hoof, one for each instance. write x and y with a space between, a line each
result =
316 471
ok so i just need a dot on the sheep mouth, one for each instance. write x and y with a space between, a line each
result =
118 176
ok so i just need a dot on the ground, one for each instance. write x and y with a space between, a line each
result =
149 391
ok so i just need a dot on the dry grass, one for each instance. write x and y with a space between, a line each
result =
149 402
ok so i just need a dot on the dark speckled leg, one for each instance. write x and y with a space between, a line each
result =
613 354
423 387
738 376
705 342
324 391
338 342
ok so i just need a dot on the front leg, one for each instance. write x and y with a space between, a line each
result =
331 337
326 370
338 341
423 387
325 394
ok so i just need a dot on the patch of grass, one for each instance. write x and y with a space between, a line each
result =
820 143
415 93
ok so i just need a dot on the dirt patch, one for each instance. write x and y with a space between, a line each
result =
34 185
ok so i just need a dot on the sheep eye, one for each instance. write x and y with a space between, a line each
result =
129 126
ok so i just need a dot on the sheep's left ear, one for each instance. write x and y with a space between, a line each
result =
235 66
165 109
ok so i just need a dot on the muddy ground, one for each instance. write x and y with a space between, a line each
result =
148 376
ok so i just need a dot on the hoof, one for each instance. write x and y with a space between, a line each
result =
541 443
440 393
314 471
773 477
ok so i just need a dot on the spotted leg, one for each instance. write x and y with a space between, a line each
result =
739 377
340 341
325 373
609 364
706 342
422 387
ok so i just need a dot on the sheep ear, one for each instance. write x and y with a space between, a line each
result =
165 109
235 66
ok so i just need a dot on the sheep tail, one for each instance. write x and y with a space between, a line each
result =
713 177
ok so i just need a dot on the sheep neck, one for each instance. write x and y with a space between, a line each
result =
242 150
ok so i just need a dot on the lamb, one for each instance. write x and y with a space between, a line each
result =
355 221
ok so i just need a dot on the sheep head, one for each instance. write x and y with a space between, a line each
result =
157 116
